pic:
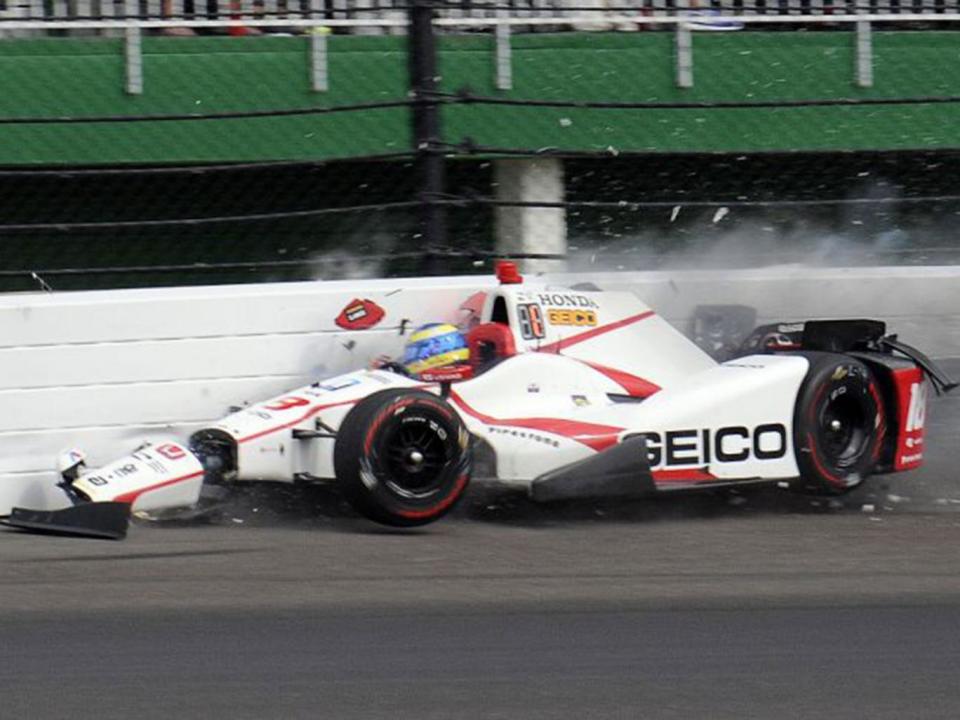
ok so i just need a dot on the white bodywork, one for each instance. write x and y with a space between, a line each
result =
153 477
591 368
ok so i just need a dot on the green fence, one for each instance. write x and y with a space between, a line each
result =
82 78
230 165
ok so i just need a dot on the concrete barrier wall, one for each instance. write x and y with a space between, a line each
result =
105 370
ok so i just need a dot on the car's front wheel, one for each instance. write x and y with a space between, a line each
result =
402 457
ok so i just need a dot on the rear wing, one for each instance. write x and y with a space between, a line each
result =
843 336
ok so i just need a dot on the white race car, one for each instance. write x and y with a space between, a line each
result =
569 393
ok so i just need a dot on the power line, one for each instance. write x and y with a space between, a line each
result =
669 204
193 222
613 253
38 275
465 201
467 98
471 148
182 117
67 173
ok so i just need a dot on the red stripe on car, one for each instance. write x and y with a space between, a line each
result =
593 435
635 386
306 416
131 496
594 332
683 475
309 414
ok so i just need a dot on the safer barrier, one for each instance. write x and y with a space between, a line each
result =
106 370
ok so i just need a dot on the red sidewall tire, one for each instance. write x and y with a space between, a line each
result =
402 457
839 424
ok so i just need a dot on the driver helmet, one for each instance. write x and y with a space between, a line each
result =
434 346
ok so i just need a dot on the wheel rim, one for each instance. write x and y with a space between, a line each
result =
842 431
416 453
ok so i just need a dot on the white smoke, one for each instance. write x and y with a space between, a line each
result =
751 243
345 265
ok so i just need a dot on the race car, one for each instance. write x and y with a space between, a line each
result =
570 393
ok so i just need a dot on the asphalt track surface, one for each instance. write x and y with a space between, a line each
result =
762 605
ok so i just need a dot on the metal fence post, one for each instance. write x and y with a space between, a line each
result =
319 73
864 54
504 75
684 55
133 53
425 116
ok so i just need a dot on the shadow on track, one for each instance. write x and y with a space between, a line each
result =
320 507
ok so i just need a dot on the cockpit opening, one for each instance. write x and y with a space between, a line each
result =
499 312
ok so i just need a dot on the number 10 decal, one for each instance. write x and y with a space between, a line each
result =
531 321
917 412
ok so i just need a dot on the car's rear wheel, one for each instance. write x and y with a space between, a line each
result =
839 424
402 457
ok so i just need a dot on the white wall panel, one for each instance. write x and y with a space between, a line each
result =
172 402
224 311
32 490
29 451
105 370
67 365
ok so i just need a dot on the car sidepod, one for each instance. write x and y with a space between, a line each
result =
731 423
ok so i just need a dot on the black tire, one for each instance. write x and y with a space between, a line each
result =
839 424
402 457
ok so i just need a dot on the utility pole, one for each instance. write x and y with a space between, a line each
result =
429 165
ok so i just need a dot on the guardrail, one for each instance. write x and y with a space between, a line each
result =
319 20
19 16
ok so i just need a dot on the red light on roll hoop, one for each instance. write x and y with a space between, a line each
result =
507 272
